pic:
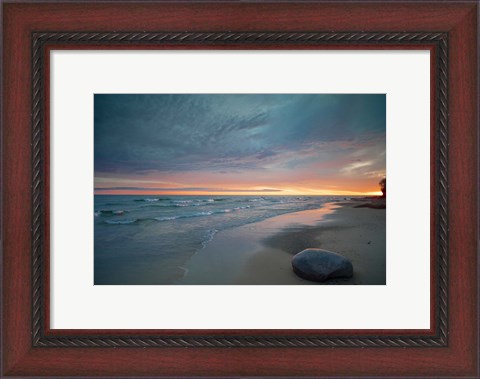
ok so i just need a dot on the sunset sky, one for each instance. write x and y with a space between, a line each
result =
239 144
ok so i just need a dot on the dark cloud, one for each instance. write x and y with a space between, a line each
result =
139 134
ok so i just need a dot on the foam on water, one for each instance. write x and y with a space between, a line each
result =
164 232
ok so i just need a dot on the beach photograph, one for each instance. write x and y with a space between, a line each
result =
240 189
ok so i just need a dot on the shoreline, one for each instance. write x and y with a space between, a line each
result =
261 252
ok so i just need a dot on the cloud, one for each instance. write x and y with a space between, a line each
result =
355 166
186 189
143 135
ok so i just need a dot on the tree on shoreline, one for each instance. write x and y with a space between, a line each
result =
383 187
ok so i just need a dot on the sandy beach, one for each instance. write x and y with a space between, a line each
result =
261 252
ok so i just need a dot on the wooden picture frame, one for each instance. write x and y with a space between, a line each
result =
447 29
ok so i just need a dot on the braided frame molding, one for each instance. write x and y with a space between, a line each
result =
316 39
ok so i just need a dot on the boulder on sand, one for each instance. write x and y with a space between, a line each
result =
319 265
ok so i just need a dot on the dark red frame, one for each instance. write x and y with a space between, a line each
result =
458 359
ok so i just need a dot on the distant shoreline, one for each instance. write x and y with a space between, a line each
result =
364 196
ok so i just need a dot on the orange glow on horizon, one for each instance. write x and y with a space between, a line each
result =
299 182
284 192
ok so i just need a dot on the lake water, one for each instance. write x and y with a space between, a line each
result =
148 239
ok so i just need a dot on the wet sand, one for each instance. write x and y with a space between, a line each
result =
261 253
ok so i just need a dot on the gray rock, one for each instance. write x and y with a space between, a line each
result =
319 265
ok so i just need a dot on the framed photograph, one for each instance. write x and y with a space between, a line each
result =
200 189
262 170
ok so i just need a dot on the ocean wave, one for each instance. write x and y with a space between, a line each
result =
106 212
169 218
245 207
166 218
151 199
121 222
158 205
232 209
200 214
168 205
195 202
209 236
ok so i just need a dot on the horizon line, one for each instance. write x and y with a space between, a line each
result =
373 193
204 191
